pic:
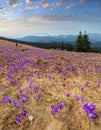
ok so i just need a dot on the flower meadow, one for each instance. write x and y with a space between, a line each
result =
49 89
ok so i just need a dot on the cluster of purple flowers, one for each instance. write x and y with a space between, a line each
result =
55 108
89 109
6 99
19 118
79 98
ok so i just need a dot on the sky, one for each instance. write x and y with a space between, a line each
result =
20 18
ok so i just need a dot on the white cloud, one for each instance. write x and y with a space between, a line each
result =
45 4
30 1
72 5
60 2
13 2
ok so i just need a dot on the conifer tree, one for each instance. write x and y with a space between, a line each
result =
82 43
79 43
86 43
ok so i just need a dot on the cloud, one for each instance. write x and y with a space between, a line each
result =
72 5
13 21
51 18
13 2
61 2
30 1
45 4
1 8
80 2
65 18
32 7
29 8
86 1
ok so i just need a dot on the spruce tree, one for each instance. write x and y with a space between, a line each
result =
79 43
86 43
82 43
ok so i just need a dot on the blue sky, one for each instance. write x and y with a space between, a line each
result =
49 17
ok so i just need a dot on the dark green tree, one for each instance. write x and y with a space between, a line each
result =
62 46
79 43
82 43
86 43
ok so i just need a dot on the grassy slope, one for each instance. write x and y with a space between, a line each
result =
42 66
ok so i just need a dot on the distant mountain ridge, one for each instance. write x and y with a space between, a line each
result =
94 38
48 39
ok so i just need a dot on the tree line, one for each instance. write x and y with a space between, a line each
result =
82 44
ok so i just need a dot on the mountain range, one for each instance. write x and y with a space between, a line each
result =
93 37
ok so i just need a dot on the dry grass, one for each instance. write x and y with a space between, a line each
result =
71 116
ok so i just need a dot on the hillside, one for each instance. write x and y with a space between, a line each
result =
49 89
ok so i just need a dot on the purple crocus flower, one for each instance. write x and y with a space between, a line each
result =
92 115
87 83
13 82
24 97
0 69
15 103
18 87
89 110
23 113
31 82
68 95
60 105
36 88
20 91
65 73
82 89
64 85
52 106
6 99
38 97
17 96
9 98
30 90
9 76
54 111
22 106
92 107
82 99
55 108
